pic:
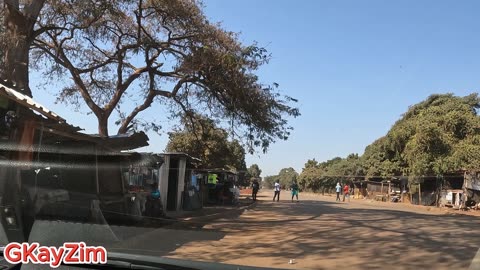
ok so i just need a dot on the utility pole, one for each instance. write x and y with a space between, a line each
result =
382 189
419 195
389 188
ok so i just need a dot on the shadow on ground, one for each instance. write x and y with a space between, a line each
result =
328 235
162 241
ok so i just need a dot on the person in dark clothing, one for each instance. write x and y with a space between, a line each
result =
295 189
255 188
153 206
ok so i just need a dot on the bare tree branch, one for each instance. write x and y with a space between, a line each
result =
122 88
142 47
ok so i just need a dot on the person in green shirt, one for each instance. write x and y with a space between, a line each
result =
295 190
212 178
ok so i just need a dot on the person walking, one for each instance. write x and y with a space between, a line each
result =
295 189
338 188
346 192
255 188
276 189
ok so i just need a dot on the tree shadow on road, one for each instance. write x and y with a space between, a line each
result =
164 240
346 236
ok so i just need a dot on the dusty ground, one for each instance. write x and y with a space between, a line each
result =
319 233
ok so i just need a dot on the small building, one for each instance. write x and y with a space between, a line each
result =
49 168
175 179
171 174
217 186
471 189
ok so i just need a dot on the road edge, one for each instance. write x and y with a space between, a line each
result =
475 265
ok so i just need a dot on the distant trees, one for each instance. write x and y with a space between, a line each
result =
286 176
323 176
254 171
201 138
436 136
269 181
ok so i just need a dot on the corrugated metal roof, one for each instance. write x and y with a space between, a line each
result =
181 154
54 121
28 102
124 141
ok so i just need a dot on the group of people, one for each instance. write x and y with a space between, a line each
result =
346 192
276 189
295 189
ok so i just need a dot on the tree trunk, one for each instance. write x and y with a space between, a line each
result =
102 126
123 128
17 67
18 40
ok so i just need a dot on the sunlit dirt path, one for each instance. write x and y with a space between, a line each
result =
319 233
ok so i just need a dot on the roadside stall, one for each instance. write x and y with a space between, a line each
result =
471 189
53 171
219 186
142 180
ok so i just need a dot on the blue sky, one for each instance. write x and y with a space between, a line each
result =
355 66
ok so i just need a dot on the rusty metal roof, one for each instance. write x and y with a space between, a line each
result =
28 102
124 141
53 121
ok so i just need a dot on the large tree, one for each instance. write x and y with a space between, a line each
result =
17 32
204 140
150 52
309 178
435 136
287 176
254 171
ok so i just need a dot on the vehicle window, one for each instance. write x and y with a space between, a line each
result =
213 134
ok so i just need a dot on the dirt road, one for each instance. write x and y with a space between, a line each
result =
319 233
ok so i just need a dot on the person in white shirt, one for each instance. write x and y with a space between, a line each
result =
276 189
338 188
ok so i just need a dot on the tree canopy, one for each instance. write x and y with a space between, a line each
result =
254 171
436 136
323 176
204 140
433 137
286 176
154 53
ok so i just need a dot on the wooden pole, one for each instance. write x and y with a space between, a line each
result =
411 195
419 195
389 188
382 191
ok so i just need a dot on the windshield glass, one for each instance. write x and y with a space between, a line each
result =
224 134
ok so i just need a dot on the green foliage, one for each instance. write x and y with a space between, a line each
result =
436 136
201 138
269 181
310 177
433 137
286 176
254 171
154 53
323 176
